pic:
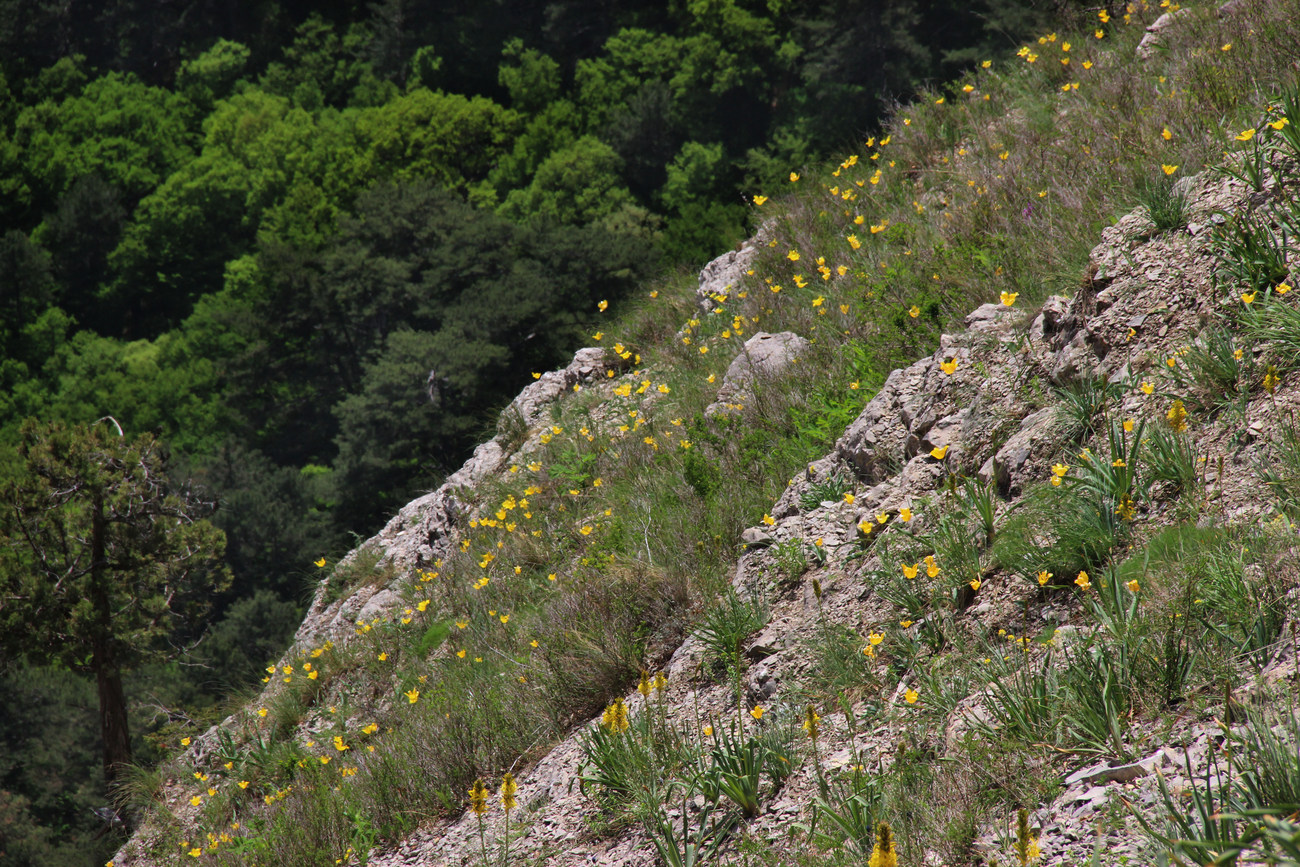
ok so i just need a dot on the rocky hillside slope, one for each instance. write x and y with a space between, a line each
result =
1033 606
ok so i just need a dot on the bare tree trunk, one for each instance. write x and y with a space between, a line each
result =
112 715
114 727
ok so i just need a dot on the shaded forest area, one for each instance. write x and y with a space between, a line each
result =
313 246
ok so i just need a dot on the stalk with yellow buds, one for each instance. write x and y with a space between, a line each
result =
615 717
883 854
1027 851
478 805
509 788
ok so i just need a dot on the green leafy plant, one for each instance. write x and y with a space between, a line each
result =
726 626
831 489
1166 204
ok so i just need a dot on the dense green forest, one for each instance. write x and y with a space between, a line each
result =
312 247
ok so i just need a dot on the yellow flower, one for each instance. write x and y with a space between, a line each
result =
911 696
939 453
1246 134
757 712
793 255
854 242
1166 134
1083 581
1044 577
586 529
196 800
794 176
243 784
949 367
615 717
810 721
412 696
769 520
602 306
185 742
759 200
849 498
1271 379
904 514
1177 417
339 745
1128 425
1168 169
914 312
478 798
509 788
321 563
975 584
1248 297
1147 387
882 517
1132 586
910 571
1283 288
708 731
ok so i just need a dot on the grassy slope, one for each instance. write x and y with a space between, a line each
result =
997 184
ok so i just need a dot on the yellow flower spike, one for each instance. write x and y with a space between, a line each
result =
1271 379
1177 417
509 788
478 798
810 722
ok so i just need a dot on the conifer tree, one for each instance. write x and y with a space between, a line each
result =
104 563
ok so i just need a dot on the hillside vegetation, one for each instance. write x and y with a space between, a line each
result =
1061 540
312 248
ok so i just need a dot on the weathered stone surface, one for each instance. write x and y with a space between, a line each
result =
764 357
1154 39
